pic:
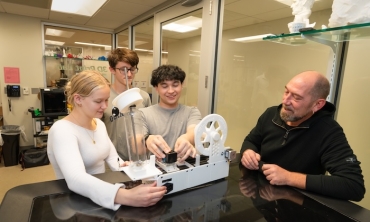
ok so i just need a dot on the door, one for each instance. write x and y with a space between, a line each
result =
186 37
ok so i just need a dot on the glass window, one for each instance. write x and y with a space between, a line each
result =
143 45
122 39
253 73
68 51
353 107
182 48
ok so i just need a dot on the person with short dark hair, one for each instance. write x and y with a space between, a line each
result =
297 142
169 125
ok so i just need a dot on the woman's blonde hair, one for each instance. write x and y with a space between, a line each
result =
84 83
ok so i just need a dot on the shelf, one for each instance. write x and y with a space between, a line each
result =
38 135
326 36
49 116
80 59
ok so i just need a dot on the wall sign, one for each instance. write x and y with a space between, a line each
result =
11 75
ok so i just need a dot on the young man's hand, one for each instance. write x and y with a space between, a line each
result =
157 145
184 148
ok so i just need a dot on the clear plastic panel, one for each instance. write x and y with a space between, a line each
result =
135 137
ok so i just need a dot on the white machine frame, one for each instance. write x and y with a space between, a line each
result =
209 137
217 166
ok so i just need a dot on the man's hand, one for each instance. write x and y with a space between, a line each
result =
184 148
275 174
157 145
279 176
250 159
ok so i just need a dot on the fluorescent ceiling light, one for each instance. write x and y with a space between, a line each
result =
254 38
92 44
143 50
178 28
137 42
50 42
79 7
187 24
147 50
59 33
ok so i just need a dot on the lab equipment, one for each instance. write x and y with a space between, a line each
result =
212 162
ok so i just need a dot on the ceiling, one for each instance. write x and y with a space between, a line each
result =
110 16
114 13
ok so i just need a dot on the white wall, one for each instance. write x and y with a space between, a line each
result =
21 46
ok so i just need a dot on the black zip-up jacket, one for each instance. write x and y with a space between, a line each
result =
315 146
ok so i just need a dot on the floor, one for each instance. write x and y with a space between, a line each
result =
13 176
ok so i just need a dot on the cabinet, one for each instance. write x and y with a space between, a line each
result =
41 125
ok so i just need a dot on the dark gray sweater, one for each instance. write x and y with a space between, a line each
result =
314 147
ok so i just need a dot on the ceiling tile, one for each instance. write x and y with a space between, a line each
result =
45 4
25 10
276 14
68 18
126 7
231 16
108 19
254 7
244 21
228 26
151 3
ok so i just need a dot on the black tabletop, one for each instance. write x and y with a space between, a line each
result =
242 196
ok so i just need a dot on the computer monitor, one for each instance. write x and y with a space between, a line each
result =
53 102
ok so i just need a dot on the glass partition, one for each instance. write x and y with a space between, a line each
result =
182 48
354 32
68 51
143 45
253 73
122 39
354 105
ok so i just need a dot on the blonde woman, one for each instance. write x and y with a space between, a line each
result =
78 146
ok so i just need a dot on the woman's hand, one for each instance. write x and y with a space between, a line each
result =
143 195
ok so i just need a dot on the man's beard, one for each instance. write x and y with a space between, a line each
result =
286 117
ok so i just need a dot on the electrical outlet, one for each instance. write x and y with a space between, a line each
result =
26 91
